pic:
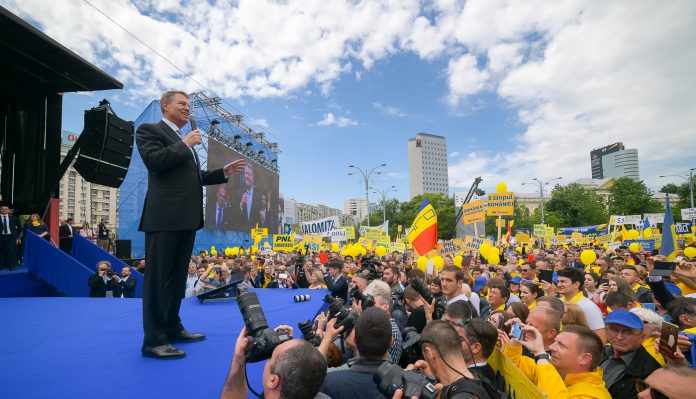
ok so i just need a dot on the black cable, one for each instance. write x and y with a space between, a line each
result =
246 377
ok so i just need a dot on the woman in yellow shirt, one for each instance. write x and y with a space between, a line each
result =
316 280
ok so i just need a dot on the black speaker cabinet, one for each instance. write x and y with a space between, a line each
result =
123 249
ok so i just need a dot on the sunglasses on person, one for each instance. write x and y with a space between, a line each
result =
641 386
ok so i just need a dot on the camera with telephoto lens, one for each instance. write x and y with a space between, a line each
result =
422 290
389 377
308 332
110 273
366 300
410 345
345 317
264 339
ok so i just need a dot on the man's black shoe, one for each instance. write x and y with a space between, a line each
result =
163 352
185 336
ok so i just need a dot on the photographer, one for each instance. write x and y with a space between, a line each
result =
104 281
294 371
380 291
372 336
282 280
443 359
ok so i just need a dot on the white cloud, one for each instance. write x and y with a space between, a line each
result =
388 110
465 78
260 122
454 154
340 121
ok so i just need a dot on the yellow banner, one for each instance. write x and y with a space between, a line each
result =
561 238
350 232
451 247
374 233
522 238
604 239
283 242
549 232
311 239
397 247
365 242
262 232
539 230
474 243
501 223
474 212
577 238
517 385
501 204
383 242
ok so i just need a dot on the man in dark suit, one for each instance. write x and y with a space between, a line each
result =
336 282
249 200
126 286
65 235
101 282
223 213
10 232
172 213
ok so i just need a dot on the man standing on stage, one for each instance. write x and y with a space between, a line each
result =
172 213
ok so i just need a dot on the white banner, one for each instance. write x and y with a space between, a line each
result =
688 213
618 220
320 227
385 227
338 235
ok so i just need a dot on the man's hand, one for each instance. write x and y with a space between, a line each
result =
331 332
532 340
428 308
422 366
286 328
240 347
243 202
193 138
357 306
234 166
549 288
399 394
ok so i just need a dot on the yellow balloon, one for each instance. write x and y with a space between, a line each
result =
334 247
438 262
483 250
494 251
381 251
235 251
634 247
493 259
587 257
422 263
518 250
501 188
458 261
647 233
690 252
605 245
633 234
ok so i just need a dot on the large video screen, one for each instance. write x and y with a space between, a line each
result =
248 199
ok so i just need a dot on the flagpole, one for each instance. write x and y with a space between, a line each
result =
499 229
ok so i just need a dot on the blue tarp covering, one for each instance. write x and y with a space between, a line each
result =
597 229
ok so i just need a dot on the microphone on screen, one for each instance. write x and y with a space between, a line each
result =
301 298
192 119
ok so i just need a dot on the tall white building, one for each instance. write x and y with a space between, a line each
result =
307 212
356 208
84 201
427 164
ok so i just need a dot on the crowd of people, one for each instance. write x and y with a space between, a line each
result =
574 330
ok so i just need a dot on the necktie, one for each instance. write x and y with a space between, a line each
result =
218 222
5 226
248 204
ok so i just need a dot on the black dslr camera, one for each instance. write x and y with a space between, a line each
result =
390 377
265 339
345 317
308 333
366 300
422 290
110 273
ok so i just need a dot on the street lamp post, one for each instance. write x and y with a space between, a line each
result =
366 173
383 194
542 184
690 180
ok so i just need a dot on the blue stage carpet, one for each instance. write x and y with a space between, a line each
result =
90 347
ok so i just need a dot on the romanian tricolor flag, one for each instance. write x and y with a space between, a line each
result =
669 235
423 233
509 230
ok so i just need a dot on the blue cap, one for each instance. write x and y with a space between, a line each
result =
479 283
673 289
516 280
624 318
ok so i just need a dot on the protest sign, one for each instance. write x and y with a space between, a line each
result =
262 232
604 239
617 220
338 235
373 233
350 232
517 385
682 228
474 243
647 244
450 247
522 238
397 247
501 204
474 212
549 232
311 239
577 238
283 242
384 242
539 230
320 227
561 238
688 213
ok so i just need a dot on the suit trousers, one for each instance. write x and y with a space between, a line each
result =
167 255
8 251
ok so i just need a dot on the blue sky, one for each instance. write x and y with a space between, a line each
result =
520 89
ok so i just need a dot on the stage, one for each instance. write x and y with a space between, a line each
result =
90 347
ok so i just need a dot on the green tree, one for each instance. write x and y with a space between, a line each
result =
631 197
684 194
573 206
444 207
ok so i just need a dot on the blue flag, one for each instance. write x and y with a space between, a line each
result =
669 236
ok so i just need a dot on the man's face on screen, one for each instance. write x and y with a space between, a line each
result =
248 176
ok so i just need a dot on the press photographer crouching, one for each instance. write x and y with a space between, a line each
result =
295 369
104 283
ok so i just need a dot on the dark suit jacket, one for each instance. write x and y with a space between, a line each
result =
228 216
642 365
97 287
15 226
174 199
244 221
339 289
127 287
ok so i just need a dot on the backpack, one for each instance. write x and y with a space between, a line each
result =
465 385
